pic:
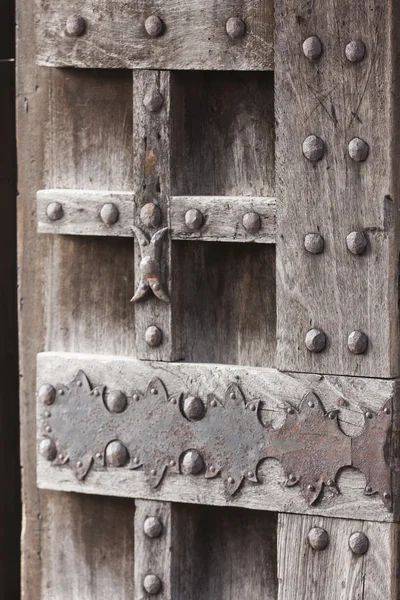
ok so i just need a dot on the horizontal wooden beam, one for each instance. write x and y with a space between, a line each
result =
223 218
350 398
85 212
183 34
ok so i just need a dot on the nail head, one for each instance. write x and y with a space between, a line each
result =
109 214
54 211
318 538
314 243
235 28
312 47
153 336
313 148
357 342
358 543
315 340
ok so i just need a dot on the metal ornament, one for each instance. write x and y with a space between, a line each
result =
154 434
150 266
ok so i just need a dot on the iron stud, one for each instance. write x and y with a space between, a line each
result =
136 397
54 211
290 411
109 214
356 242
153 100
386 410
311 404
116 401
193 408
194 219
153 336
79 464
231 480
250 474
75 25
192 463
153 391
213 403
369 415
150 215
251 222
61 457
48 429
96 392
330 483
232 396
355 51
99 455
153 527
172 400
235 28
47 414
315 340
172 463
154 26
79 383
368 489
313 148
311 488
61 392
318 538
357 342
358 543
153 472
48 449
312 47
314 243
292 478
47 394
358 150
116 454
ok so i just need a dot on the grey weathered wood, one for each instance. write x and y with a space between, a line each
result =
155 555
351 396
223 218
81 212
337 100
335 573
194 35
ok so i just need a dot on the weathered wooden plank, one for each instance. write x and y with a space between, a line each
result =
85 212
331 193
193 36
335 573
223 219
352 397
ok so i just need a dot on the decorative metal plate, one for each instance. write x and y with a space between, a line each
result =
152 432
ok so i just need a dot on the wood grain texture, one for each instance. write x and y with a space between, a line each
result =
335 573
223 218
337 100
81 212
351 396
194 35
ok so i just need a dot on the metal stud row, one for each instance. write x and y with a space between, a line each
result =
315 341
109 213
318 539
354 51
314 149
194 220
356 242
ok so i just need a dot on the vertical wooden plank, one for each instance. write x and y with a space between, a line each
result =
336 572
337 96
152 125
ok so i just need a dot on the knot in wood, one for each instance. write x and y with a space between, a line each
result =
153 527
48 449
153 336
116 401
235 27
153 25
193 408
251 222
357 342
152 584
315 340
192 463
75 25
358 543
194 219
54 211
358 150
356 242
116 454
109 214
150 215
314 243
355 51
312 47
153 100
313 148
318 538
47 394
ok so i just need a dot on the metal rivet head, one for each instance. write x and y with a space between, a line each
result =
154 25
358 150
152 584
312 47
172 400
153 527
79 383
116 454
150 215
48 429
251 222
153 472
358 543
75 25
47 394
194 219
356 242
314 243
253 407
290 411
315 340
332 415
79 464
213 403
311 404
369 415
357 342
386 496
172 463
153 336
193 408
313 148
231 480
48 449
250 474
355 51
153 100
96 392
386 410
330 483
368 489
153 391
235 27
318 538
311 488
47 414
149 265
99 455
116 401
192 463
232 396
61 392
61 457
292 478
109 214
136 397
54 211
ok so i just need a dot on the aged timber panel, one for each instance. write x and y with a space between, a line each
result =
337 288
156 34
213 425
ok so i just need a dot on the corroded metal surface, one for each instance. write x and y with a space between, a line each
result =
150 264
229 438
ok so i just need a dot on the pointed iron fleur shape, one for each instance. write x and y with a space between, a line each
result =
150 267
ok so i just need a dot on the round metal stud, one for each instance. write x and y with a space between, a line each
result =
48 449
311 488
369 415
96 392
136 397
232 396
193 408
153 472
312 47
251 222
172 400
153 527
79 464
235 28
99 455
154 25
172 463
358 543
192 463
355 51
109 214
357 342
116 401
368 489
194 219
315 340
356 242
153 100
54 211
386 410
150 215
213 403
61 457
47 394
313 148
292 478
231 481
153 336
314 243
253 407
358 150
152 584
153 391
290 411
61 392
47 414
311 404
79 383
318 538
330 483
75 25
48 429
116 454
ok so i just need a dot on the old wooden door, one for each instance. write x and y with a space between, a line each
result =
213 298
